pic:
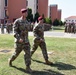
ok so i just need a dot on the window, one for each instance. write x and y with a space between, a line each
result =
26 3
37 6
37 1
6 2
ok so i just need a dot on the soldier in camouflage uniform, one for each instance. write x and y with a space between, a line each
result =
21 26
39 40
2 28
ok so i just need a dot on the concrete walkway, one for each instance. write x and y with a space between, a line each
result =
52 34
57 34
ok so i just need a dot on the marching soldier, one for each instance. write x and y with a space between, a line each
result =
21 26
39 40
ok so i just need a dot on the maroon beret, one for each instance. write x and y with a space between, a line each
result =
23 10
40 18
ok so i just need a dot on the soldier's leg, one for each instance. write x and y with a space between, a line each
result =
44 52
18 49
27 57
34 48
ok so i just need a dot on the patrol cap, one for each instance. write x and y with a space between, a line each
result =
23 10
40 18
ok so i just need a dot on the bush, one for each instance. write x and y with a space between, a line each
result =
48 21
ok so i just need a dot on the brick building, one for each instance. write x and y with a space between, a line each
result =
54 12
11 9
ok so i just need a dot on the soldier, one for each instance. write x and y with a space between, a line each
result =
21 26
74 27
39 40
2 28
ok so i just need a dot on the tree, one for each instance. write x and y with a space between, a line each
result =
56 22
36 17
60 23
48 20
30 15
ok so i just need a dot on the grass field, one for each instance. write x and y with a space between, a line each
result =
64 57
58 28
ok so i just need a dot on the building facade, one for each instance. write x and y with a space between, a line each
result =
43 7
14 7
54 12
32 4
59 14
2 10
11 9
70 19
40 6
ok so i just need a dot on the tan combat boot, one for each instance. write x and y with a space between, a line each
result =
28 69
48 62
10 62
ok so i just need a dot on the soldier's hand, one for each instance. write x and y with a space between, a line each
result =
20 40
41 40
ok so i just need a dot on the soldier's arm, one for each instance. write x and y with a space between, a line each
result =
28 25
35 31
16 30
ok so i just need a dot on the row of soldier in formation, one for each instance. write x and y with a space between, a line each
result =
70 28
8 27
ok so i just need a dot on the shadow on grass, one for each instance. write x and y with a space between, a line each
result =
21 69
59 65
64 66
46 72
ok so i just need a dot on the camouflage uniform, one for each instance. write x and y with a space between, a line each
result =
21 31
74 28
2 28
39 34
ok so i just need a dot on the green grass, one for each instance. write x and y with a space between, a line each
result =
64 57
58 28
6 41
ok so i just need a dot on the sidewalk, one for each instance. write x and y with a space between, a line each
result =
57 34
52 34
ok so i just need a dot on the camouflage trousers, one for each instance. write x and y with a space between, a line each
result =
19 47
42 45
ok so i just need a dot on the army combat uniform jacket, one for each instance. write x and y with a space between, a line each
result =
21 28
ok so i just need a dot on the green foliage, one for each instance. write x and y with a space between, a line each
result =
56 22
30 15
48 21
36 17
61 23
6 41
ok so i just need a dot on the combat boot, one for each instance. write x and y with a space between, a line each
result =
48 62
28 69
10 62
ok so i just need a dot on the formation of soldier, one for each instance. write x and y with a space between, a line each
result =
2 28
9 27
6 28
70 28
